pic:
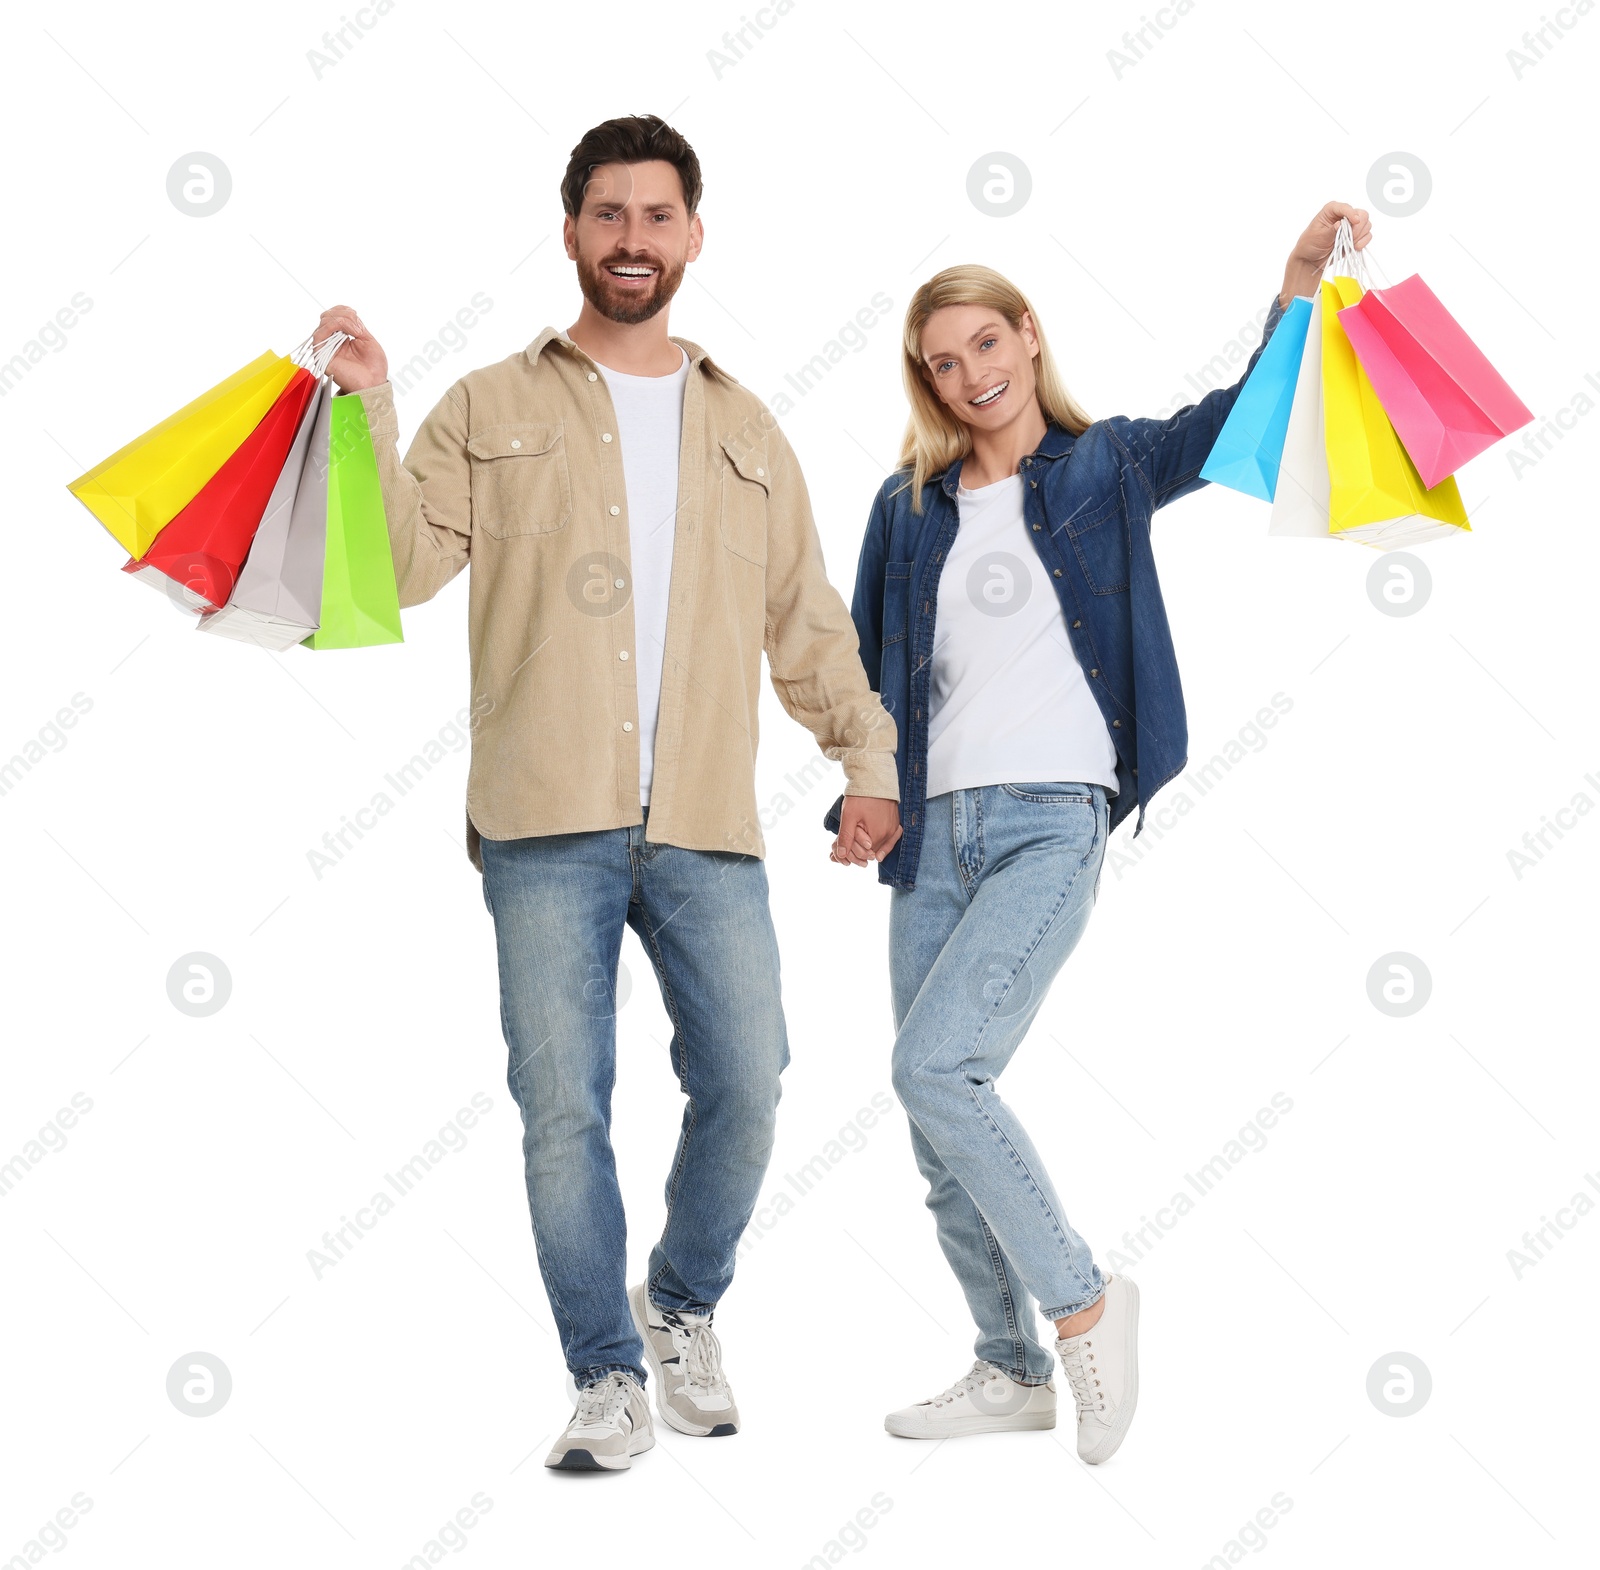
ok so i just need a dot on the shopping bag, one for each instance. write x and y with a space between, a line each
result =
1375 493
142 487
278 597
1249 447
1446 401
196 558
1300 505
360 599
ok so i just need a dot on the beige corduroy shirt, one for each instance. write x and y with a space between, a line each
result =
518 470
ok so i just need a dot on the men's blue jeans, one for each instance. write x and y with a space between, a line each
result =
1007 878
560 902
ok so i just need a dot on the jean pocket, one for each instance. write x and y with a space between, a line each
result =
1052 792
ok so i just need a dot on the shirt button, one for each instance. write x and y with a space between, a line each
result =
1076 623
605 436
1034 484
627 724
516 444
1058 574
1092 673
615 511
593 377
619 583
1116 724
1036 528
761 474
623 655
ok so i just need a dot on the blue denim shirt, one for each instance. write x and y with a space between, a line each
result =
1088 502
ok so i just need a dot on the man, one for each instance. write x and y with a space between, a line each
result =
639 532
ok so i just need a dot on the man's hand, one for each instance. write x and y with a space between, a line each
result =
359 363
869 827
1303 272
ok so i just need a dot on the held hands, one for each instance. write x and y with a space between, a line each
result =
1303 272
869 827
359 363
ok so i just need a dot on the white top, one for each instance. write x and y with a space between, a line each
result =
650 430
1009 702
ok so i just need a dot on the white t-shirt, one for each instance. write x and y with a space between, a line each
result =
650 429
1008 698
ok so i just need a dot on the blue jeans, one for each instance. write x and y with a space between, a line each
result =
1007 877
560 902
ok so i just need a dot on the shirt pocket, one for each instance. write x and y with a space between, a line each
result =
520 482
896 600
746 485
1099 538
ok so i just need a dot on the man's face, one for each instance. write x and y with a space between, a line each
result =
632 239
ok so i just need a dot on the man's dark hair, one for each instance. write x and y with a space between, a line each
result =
630 139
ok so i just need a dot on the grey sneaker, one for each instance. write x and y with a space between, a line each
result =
609 1428
686 1358
986 1400
1102 1366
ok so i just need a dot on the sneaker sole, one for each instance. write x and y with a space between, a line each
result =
1023 1423
1119 1430
580 1460
671 1418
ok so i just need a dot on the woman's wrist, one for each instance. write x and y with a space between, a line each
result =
1299 278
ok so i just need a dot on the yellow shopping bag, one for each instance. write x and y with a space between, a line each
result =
142 487
1376 495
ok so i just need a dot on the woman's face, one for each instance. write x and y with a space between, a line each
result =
980 366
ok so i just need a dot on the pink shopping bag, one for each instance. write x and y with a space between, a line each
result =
1446 401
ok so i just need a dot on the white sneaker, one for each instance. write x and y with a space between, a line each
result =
692 1393
1102 1366
609 1428
985 1401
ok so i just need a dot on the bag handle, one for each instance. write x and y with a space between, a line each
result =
1346 261
315 357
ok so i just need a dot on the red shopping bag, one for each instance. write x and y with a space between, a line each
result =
1445 400
197 557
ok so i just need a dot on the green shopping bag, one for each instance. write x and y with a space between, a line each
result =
360 603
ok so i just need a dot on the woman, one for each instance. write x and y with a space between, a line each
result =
1011 620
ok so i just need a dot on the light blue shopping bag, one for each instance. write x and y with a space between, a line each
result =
1249 447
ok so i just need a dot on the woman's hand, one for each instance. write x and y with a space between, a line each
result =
869 826
1303 272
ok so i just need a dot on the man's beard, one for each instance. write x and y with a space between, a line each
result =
600 289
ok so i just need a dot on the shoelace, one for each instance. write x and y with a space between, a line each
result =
603 1402
979 1374
1083 1376
700 1351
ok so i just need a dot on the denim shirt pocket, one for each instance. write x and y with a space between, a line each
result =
1099 538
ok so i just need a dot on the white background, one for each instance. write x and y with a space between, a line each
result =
1226 963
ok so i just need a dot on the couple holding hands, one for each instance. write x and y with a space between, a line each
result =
1001 693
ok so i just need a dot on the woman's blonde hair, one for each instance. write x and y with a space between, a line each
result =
934 437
